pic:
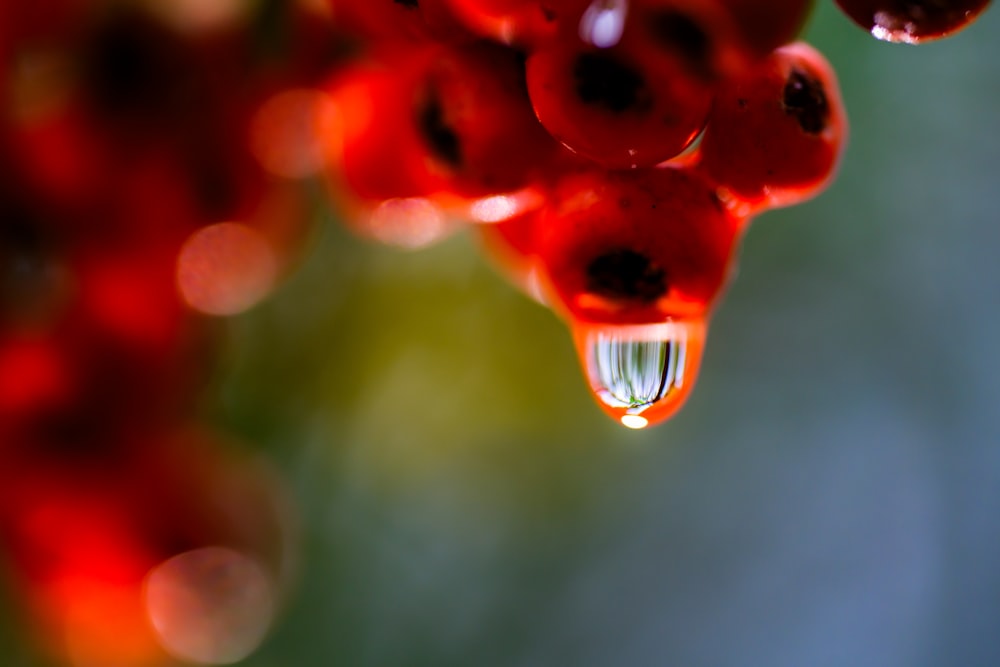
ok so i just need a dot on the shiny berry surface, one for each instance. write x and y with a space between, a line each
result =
775 136
636 247
615 106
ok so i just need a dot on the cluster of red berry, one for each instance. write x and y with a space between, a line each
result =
132 205
610 153
617 150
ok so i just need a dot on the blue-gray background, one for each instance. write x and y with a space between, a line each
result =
829 496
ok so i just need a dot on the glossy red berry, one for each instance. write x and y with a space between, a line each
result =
614 105
764 26
912 21
636 247
714 39
441 130
374 147
775 135
474 116
521 23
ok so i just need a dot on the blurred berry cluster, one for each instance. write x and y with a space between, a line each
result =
609 153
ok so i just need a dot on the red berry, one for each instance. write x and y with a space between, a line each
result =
417 20
522 23
437 127
475 118
614 105
764 26
375 149
714 39
912 21
636 247
702 35
775 135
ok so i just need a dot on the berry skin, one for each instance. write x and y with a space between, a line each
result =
775 136
912 21
636 247
373 145
447 123
765 26
615 106
506 21
714 39
405 20
475 118
519 23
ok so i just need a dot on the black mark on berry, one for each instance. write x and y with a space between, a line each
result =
409 4
626 274
716 200
805 99
441 138
603 80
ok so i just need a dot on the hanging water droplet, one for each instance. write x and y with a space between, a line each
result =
641 374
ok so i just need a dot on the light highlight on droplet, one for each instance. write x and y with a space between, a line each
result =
225 269
211 606
634 421
641 374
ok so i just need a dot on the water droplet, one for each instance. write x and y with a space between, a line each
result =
641 374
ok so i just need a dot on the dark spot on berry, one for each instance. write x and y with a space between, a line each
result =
805 99
626 274
605 81
409 4
440 137
742 103
679 33
716 200
548 13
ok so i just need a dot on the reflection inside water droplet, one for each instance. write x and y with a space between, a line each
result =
636 374
641 374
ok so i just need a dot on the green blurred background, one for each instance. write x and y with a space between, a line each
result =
829 496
